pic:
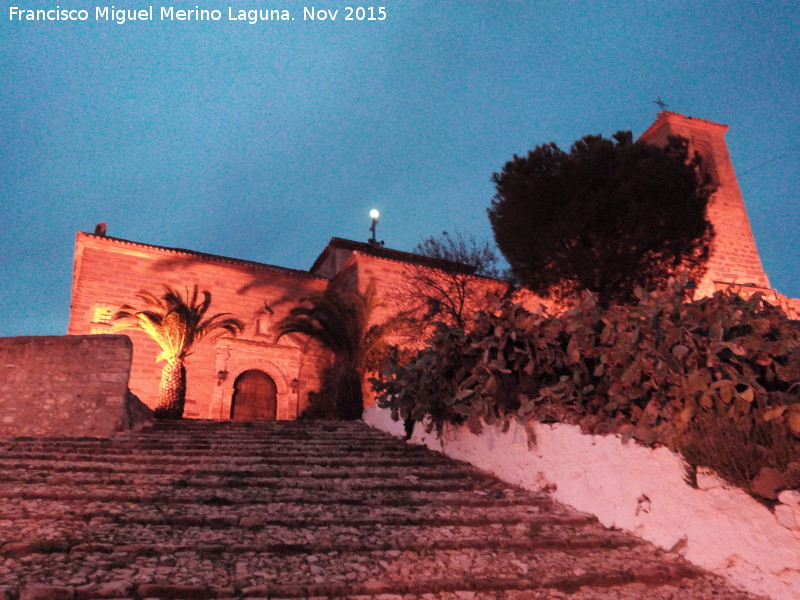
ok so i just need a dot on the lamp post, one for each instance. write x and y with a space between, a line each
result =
374 215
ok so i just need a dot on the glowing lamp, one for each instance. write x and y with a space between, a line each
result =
374 214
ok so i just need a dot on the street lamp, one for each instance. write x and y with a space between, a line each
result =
374 214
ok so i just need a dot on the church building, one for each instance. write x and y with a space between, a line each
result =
251 375
255 376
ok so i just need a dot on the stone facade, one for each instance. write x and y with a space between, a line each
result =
108 272
734 258
54 385
734 262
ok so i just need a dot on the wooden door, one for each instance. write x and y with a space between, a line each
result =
254 397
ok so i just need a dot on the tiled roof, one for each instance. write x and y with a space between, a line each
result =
209 257
388 253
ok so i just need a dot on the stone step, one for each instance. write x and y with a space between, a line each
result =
311 481
20 470
198 461
373 494
293 454
305 491
352 570
290 514
240 497
223 429
253 533
166 440
207 510
222 521
177 441
214 463
346 541
686 589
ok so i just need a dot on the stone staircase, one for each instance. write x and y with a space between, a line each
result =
204 510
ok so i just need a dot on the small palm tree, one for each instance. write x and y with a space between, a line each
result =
176 323
340 321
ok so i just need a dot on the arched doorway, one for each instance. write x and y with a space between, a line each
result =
254 397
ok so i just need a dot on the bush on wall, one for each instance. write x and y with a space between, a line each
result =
652 371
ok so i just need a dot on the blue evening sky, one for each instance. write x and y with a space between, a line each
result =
262 141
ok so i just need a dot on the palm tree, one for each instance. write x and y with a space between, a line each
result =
340 321
176 323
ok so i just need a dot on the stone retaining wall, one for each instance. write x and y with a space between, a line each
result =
69 386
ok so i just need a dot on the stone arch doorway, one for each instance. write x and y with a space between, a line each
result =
254 397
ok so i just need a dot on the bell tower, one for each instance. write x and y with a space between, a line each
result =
734 257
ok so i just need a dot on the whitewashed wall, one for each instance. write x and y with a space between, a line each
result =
641 490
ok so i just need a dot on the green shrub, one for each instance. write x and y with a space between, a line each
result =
654 371
739 450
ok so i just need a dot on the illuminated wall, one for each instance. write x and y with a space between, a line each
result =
734 256
108 273
64 385
734 262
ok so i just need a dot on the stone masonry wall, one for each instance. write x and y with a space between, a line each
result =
734 256
109 272
64 385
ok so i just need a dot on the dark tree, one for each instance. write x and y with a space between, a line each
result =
450 287
608 216
342 322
